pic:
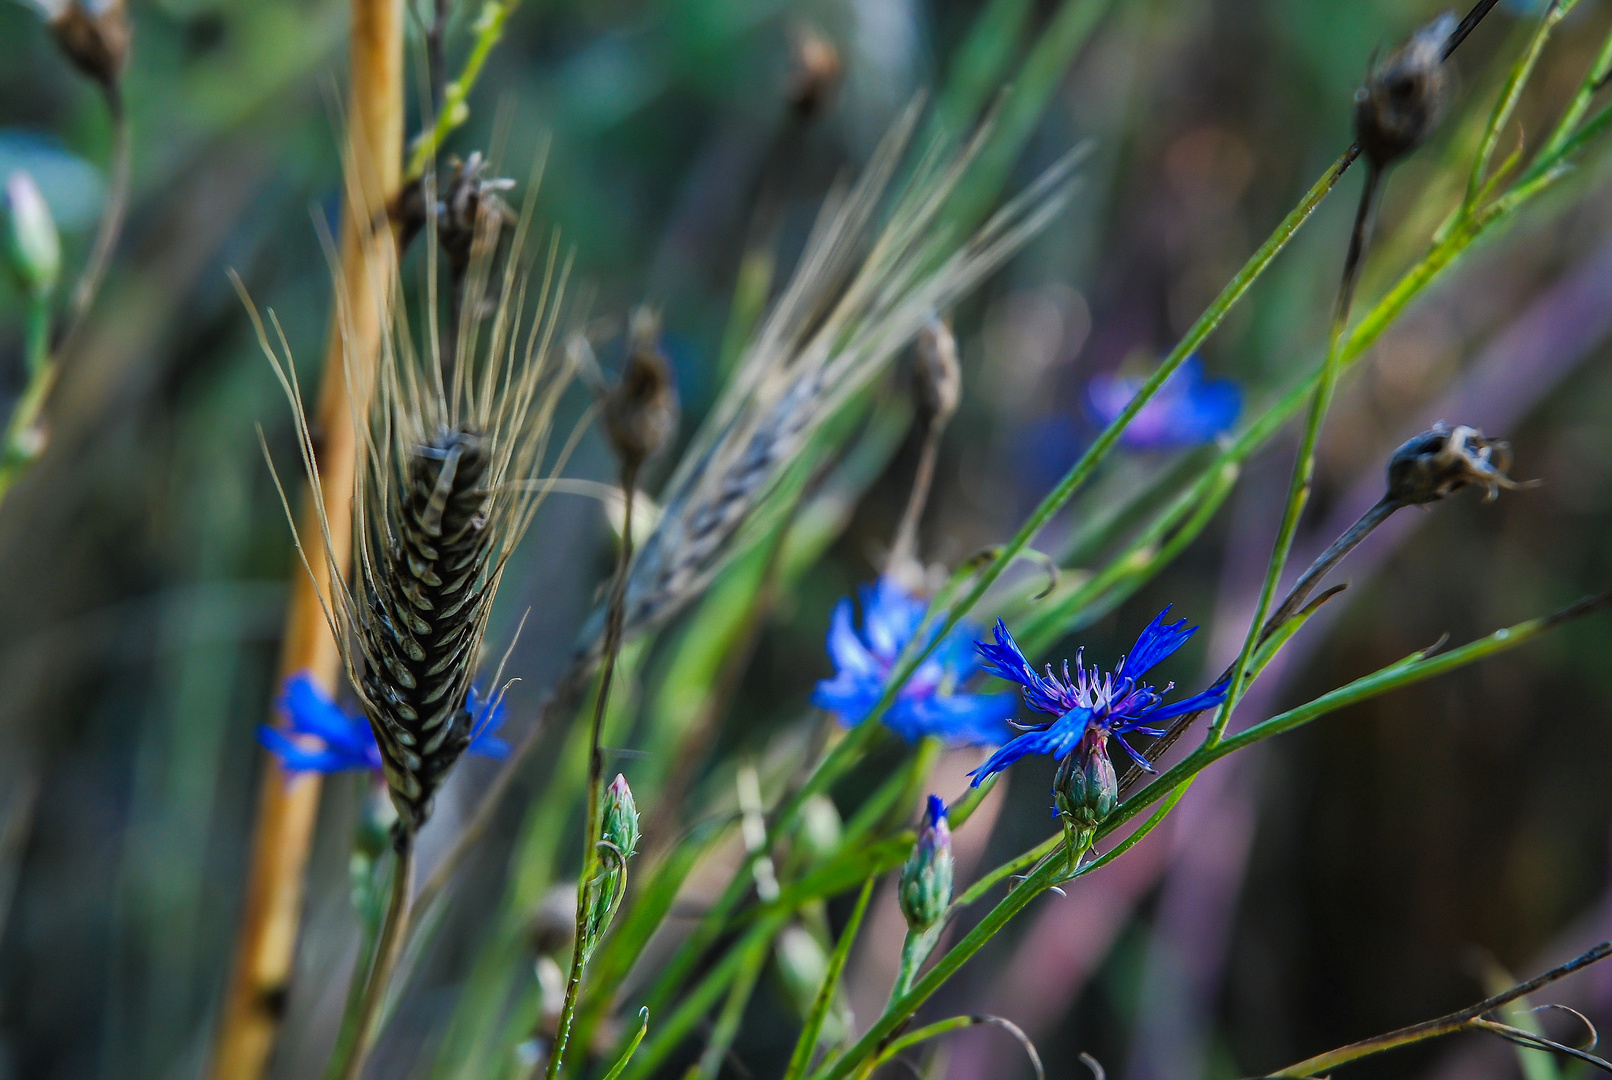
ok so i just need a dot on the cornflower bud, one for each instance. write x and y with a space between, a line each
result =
1086 789
1404 96
926 880
640 411
619 827
32 246
937 376
618 839
1442 460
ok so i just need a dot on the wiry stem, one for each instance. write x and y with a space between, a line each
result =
904 549
1298 495
1459 1020
109 229
388 945
614 617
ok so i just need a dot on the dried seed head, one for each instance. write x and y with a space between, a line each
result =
1404 96
94 37
937 377
32 247
1443 460
816 74
469 211
640 411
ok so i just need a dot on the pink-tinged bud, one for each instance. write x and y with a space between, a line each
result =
926 880
32 246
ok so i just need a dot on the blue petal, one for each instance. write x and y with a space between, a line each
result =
846 649
488 745
1004 660
310 712
890 617
298 759
1154 644
935 811
958 719
1212 696
1186 411
1058 739
848 696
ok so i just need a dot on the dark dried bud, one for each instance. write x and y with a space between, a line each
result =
95 39
1404 96
640 411
1442 461
937 376
926 880
816 75
1085 788
468 206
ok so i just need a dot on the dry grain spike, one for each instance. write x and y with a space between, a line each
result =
447 483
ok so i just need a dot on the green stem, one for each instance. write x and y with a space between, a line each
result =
614 617
24 438
1298 494
805 1046
388 944
489 29
1465 1018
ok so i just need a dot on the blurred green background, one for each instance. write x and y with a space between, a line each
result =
1358 876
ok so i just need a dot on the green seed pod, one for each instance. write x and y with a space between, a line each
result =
1086 789
32 247
926 880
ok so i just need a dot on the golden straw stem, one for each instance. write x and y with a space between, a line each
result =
288 804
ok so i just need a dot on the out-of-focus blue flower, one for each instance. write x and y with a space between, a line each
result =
929 704
1187 410
1090 702
345 740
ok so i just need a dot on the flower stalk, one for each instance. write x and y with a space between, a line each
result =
288 804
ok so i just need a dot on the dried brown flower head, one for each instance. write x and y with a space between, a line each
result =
640 411
1443 460
1404 96
816 75
937 376
94 37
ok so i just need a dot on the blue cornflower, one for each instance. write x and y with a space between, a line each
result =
1091 707
347 742
929 704
1187 410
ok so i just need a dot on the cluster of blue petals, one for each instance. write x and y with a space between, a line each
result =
929 703
1108 705
1187 410
345 739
